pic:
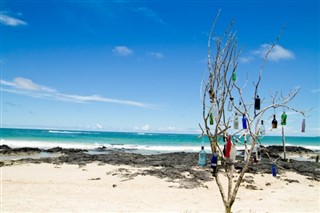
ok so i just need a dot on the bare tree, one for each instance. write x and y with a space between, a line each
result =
221 88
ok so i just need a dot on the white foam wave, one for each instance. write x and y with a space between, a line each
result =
64 132
46 144
93 146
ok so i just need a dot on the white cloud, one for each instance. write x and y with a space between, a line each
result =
155 55
99 126
143 128
150 14
26 84
122 51
245 59
10 21
23 86
315 90
277 53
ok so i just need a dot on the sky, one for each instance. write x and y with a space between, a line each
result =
138 65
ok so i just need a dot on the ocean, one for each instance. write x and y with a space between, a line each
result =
139 142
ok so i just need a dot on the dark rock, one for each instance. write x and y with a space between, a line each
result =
94 178
291 180
172 166
101 149
251 187
4 147
54 150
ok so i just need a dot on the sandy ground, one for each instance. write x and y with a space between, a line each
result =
107 188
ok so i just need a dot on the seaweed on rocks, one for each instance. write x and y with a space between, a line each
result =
179 166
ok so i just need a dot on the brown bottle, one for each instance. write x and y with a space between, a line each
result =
274 122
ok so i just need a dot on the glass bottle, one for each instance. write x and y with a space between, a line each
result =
244 122
211 119
284 118
211 95
234 76
219 160
214 162
257 103
274 122
274 170
262 128
236 121
240 106
230 105
233 153
228 147
303 126
202 157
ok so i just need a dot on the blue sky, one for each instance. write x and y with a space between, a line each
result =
138 65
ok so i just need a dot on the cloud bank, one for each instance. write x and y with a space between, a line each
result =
27 87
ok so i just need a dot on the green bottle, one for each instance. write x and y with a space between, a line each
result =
234 76
211 119
284 118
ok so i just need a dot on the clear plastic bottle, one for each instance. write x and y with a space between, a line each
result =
303 126
230 105
262 128
236 121
202 157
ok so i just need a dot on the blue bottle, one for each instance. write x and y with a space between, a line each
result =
244 122
274 170
214 162
202 157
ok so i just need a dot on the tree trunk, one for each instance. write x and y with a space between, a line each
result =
284 143
228 209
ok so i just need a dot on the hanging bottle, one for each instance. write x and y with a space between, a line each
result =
202 157
284 118
219 160
244 122
211 95
240 108
211 114
262 128
214 162
236 121
258 154
303 126
211 119
233 152
228 147
257 103
230 105
274 122
234 76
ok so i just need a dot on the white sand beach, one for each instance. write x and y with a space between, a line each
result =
107 188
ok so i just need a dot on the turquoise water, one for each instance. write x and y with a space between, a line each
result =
158 142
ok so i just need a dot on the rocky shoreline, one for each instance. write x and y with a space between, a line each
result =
169 165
